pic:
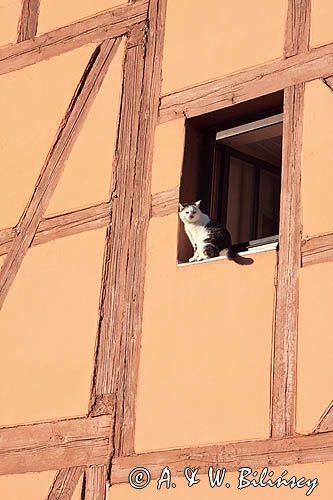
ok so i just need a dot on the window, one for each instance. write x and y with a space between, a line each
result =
232 162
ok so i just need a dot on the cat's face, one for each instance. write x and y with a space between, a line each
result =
190 213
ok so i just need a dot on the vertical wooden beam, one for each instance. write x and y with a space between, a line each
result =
287 291
55 162
65 483
285 324
95 483
27 26
121 303
297 32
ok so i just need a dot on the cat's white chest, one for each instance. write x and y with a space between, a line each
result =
197 233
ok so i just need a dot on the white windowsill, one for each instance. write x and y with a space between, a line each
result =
258 249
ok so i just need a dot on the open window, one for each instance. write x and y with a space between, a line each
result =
232 162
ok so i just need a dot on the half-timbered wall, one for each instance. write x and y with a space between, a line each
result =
112 356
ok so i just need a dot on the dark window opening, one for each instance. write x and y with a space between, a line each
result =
232 162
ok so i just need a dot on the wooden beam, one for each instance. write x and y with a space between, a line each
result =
55 162
55 445
255 454
165 203
326 421
289 261
121 303
297 33
95 483
59 226
27 26
248 84
65 483
105 25
317 249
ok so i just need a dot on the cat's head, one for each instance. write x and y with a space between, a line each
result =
190 213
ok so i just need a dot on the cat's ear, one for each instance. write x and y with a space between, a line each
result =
180 207
197 203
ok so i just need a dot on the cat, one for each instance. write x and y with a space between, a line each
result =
207 237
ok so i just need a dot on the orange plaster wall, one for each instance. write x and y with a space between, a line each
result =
323 472
87 175
204 41
48 328
205 359
317 172
32 102
315 345
54 14
321 22
32 486
9 16
168 155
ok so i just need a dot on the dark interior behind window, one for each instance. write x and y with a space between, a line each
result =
237 177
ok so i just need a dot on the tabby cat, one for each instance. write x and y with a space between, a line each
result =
207 237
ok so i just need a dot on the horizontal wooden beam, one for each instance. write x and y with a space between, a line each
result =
317 250
58 226
256 454
248 84
55 445
165 203
108 24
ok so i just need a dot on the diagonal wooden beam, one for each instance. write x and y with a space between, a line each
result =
121 304
297 33
329 82
55 445
59 226
326 421
54 164
65 483
95 483
109 24
248 84
256 454
27 26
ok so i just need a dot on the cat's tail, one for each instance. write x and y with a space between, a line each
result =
231 254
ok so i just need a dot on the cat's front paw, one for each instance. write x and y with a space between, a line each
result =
192 259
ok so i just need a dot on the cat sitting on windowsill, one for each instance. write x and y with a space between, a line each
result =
208 238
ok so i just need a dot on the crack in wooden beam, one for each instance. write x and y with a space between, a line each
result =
317 249
256 454
326 421
297 33
55 445
95 483
59 226
27 26
248 84
65 483
105 25
55 162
